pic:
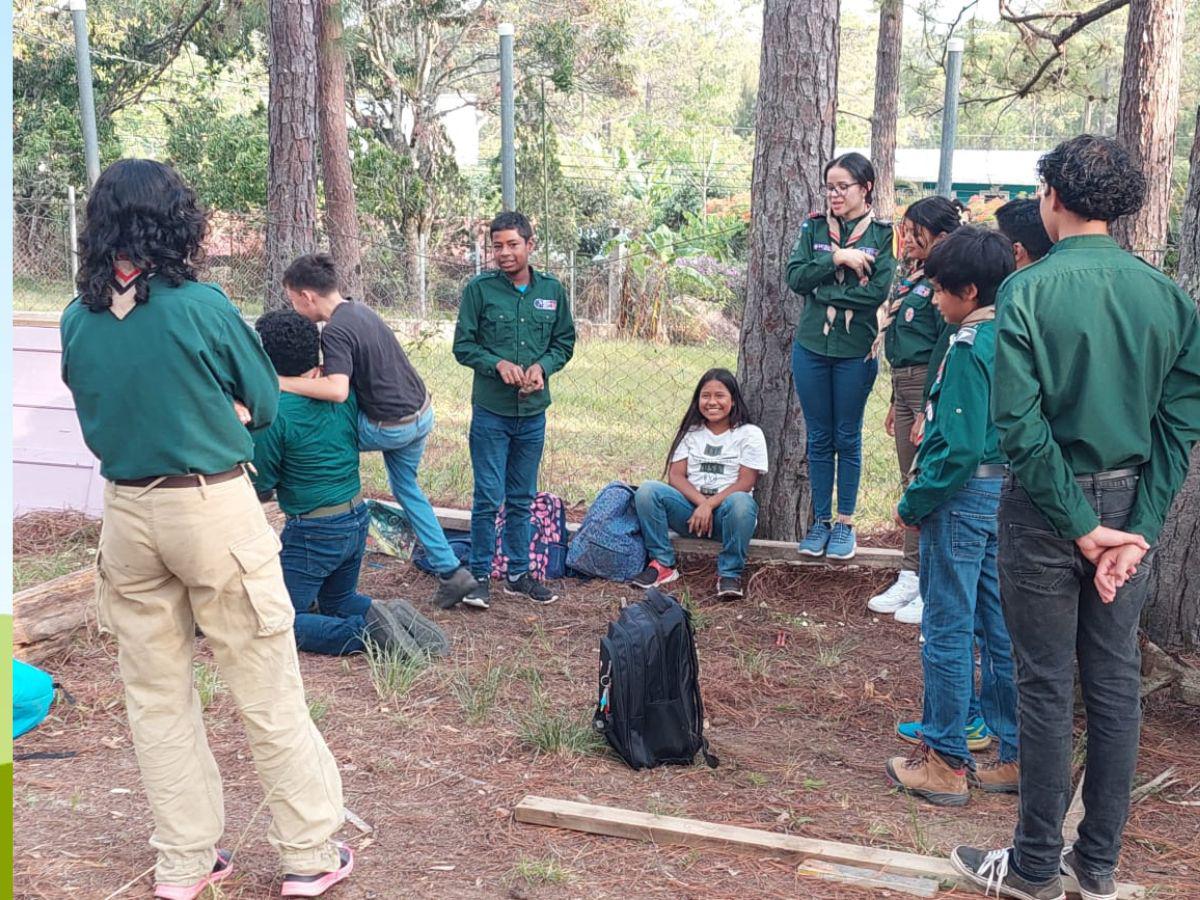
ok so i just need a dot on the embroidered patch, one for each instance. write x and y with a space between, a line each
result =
929 411
908 314
870 251
923 290
545 303
824 247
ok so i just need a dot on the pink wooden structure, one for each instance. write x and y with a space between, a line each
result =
52 467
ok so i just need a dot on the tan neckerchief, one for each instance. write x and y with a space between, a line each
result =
835 243
982 314
887 311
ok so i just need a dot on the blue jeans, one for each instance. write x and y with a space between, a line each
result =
321 559
505 454
961 588
402 449
660 506
833 395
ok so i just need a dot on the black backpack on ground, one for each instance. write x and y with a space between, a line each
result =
649 705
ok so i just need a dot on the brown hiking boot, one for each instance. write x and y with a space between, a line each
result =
996 777
927 775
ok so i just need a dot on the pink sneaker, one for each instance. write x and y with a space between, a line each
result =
316 885
221 869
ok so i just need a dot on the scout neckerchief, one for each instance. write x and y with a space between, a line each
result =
835 244
126 279
887 311
981 314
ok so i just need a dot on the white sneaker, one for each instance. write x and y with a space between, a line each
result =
911 614
900 594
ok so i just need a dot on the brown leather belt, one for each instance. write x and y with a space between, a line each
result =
183 481
407 420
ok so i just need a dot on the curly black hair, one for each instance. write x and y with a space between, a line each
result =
139 209
1094 177
292 342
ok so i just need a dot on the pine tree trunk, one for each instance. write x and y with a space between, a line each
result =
794 138
1189 224
292 131
341 214
1147 114
887 105
1172 614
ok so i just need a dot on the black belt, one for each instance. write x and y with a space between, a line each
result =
182 481
335 509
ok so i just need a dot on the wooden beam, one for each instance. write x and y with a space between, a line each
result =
626 823
761 551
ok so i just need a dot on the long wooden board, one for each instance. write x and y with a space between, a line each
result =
762 551
627 823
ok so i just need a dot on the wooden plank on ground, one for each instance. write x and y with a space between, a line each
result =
868 878
761 551
627 823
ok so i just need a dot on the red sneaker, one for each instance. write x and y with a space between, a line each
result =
654 575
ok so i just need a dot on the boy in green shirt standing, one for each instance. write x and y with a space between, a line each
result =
953 500
1097 402
514 330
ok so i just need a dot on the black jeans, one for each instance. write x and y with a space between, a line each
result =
1054 617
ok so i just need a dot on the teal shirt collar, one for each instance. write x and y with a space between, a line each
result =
1085 242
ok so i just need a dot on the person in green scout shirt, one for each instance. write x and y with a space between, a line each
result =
1021 222
155 360
1096 399
395 410
842 265
953 501
910 328
309 457
514 331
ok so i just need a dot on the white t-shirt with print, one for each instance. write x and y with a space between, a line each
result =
713 460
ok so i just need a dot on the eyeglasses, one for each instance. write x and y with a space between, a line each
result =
837 190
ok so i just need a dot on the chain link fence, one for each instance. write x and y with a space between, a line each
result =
642 344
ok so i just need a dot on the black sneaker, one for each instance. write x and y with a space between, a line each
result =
989 870
428 634
1091 887
316 885
525 586
729 588
479 595
654 575
386 630
454 587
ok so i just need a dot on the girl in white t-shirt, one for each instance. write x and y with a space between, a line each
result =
711 470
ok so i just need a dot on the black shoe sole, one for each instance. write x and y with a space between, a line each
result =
511 593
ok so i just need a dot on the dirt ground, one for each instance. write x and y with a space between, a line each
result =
802 689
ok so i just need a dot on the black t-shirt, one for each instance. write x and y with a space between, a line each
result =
359 344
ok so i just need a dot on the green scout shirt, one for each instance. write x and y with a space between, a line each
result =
1097 368
917 327
309 455
938 353
812 274
959 433
154 391
497 322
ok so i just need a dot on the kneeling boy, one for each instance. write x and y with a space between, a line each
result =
954 500
309 456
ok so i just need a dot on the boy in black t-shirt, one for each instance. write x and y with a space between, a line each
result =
395 413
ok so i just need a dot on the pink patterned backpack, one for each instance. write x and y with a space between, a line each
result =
547 540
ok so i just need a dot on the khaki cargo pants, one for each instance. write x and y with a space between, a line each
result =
171 559
908 400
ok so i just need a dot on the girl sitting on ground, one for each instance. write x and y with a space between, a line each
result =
711 470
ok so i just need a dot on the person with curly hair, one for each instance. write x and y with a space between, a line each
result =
1096 399
155 360
309 458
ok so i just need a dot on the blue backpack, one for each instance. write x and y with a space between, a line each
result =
609 542
33 692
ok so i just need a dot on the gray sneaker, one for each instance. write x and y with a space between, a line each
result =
480 595
1091 887
387 630
989 870
454 587
730 588
428 635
